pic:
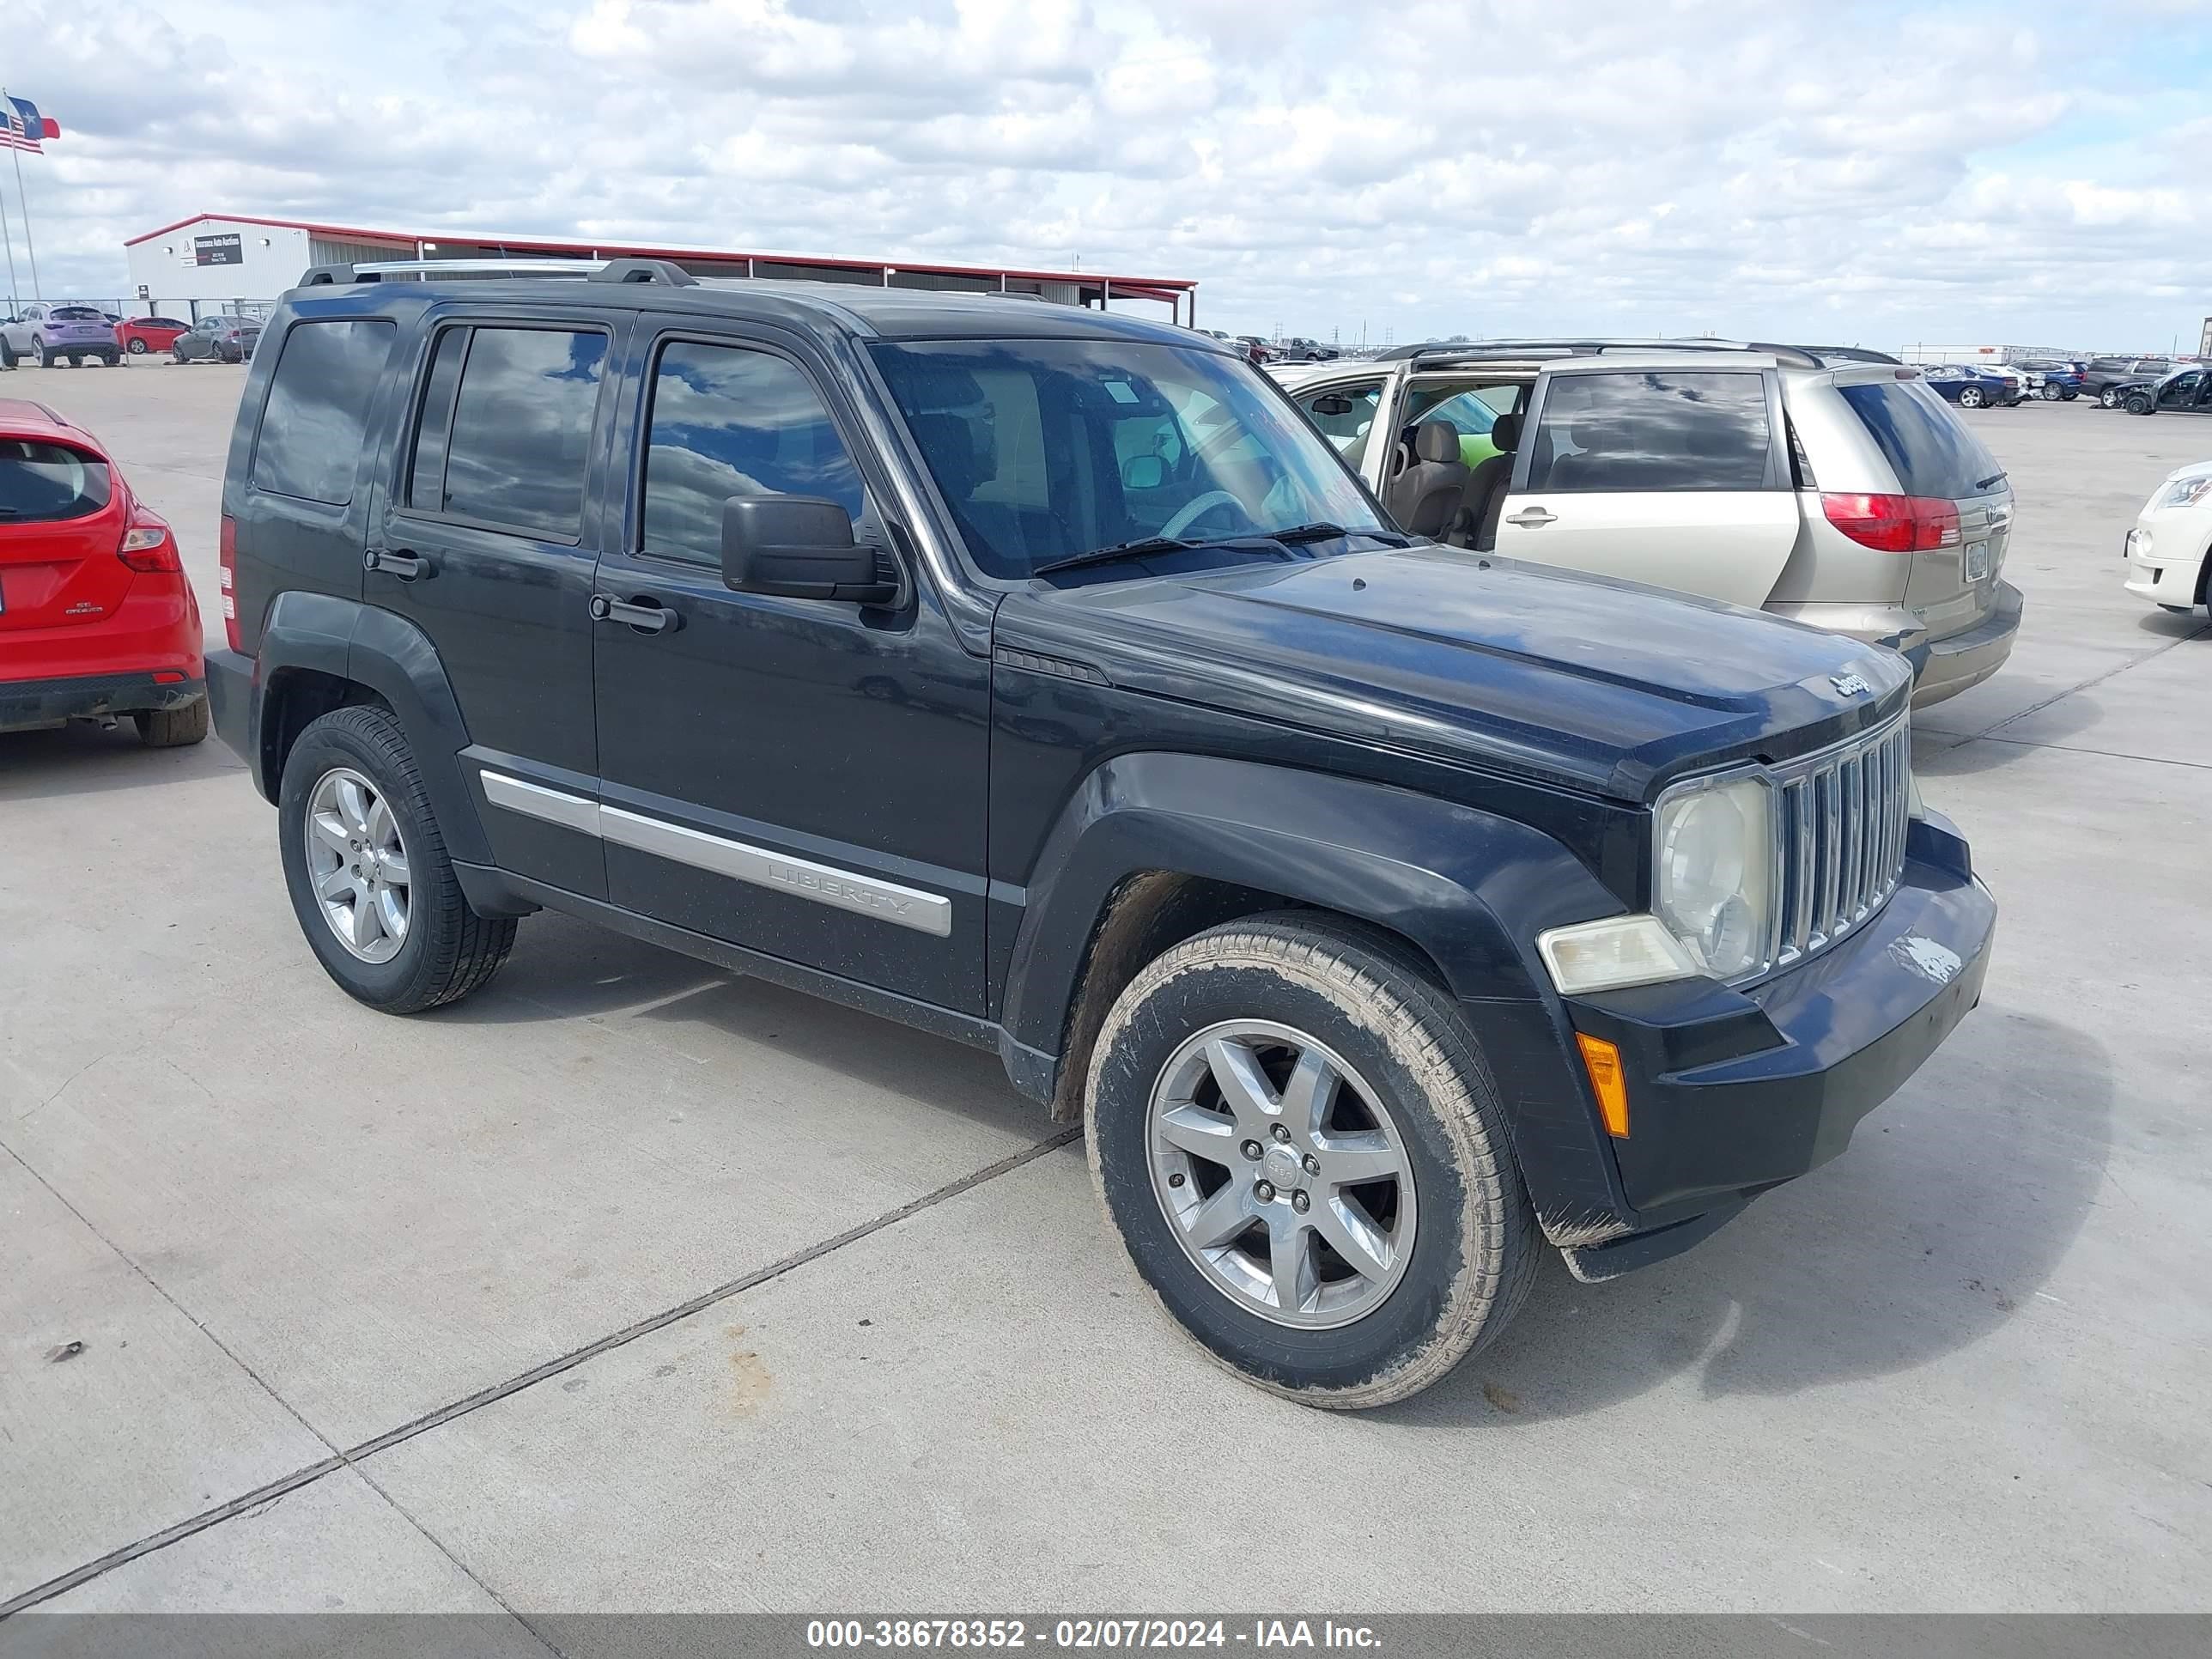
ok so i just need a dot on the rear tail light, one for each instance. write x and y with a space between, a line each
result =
227 578
1895 523
149 546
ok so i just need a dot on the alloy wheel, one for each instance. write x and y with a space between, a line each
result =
357 865
1281 1173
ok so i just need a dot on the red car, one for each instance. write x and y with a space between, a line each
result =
140 335
96 618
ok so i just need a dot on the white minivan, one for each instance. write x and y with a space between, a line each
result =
1827 488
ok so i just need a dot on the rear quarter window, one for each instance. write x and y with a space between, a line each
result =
41 483
315 423
1928 447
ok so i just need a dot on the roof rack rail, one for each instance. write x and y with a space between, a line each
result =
666 271
1478 350
377 270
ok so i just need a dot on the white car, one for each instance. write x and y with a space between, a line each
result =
2167 551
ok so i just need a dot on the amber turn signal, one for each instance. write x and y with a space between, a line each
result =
1601 1060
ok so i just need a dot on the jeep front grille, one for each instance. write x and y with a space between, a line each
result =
1840 819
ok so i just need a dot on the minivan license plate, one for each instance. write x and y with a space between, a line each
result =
1978 561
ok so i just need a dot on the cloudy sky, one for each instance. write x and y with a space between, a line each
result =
2026 171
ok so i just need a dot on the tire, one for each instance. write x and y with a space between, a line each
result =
177 354
172 728
2070 392
1352 998
137 348
46 359
2051 394
1971 398
2108 398
446 951
112 359
7 355
2138 406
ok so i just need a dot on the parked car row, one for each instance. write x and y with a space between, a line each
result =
49 334
1295 349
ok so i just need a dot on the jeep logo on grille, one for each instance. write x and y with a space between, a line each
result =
1849 685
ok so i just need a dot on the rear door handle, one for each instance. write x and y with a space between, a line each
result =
398 561
645 618
1532 517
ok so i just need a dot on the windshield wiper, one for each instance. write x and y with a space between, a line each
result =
1295 536
1136 549
1994 478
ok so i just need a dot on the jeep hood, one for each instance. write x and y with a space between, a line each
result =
1599 685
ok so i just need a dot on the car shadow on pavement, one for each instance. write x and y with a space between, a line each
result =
1952 1207
81 759
563 968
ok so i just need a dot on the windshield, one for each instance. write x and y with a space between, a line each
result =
1048 448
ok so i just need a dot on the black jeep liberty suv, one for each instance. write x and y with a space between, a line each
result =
1041 678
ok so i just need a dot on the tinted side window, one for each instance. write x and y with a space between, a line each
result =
1654 429
312 427
727 422
1929 448
426 471
522 429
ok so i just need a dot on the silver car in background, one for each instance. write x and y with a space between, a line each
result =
1831 490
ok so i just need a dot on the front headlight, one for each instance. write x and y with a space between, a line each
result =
1713 871
2184 492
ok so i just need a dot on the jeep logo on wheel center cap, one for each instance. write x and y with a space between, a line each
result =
1282 1167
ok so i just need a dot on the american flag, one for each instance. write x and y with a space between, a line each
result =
21 126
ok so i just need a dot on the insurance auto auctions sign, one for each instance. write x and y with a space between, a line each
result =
223 249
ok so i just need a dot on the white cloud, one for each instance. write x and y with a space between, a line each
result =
1877 171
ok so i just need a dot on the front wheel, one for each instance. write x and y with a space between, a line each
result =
177 354
2138 406
137 348
1296 1134
368 873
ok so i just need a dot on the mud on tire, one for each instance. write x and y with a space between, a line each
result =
1359 993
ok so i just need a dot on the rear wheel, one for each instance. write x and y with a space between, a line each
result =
172 728
368 873
2108 398
46 359
2051 394
1296 1134
1971 398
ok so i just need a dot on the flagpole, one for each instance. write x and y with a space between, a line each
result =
9 236
30 247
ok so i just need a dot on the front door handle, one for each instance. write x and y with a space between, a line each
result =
399 562
1532 517
645 618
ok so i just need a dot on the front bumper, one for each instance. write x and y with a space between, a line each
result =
2166 555
1732 1092
26 704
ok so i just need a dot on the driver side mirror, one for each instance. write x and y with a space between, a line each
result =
798 547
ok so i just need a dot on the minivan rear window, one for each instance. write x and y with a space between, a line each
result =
318 410
41 483
1928 447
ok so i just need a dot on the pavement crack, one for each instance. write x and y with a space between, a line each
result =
2137 661
352 1457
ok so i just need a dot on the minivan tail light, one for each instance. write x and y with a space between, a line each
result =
227 578
148 546
1893 524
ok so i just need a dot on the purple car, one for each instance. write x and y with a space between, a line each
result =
52 332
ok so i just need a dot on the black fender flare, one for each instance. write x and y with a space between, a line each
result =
393 657
1470 888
